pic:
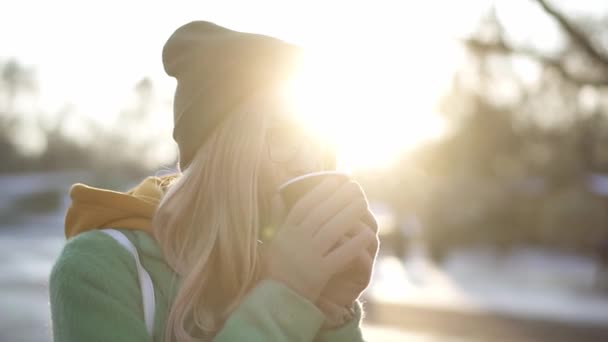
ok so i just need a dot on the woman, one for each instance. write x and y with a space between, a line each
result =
199 233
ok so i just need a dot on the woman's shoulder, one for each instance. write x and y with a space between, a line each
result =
91 254
92 244
94 292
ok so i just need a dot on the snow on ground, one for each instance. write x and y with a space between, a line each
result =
529 282
379 333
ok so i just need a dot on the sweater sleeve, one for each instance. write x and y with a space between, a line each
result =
272 312
95 296
94 292
350 331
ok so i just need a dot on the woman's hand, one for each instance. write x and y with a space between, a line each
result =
301 254
346 286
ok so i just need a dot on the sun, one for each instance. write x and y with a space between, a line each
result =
374 73
371 112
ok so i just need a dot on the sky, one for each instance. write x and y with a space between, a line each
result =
91 54
78 46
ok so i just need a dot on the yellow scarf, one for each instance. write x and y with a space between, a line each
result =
95 208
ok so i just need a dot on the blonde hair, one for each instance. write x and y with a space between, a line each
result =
207 225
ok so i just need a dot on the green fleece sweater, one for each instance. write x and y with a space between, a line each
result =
95 296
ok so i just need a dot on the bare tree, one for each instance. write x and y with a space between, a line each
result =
15 79
583 60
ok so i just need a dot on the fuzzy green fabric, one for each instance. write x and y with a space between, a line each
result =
95 296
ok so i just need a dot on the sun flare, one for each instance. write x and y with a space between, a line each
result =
370 112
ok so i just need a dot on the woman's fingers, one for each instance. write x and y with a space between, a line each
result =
364 266
343 226
365 260
370 220
348 193
373 247
340 257
372 225
360 267
308 202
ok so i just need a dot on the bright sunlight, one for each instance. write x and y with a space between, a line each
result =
374 106
375 94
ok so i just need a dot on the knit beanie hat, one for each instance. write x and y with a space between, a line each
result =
217 69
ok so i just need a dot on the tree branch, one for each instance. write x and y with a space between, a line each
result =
575 34
499 46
